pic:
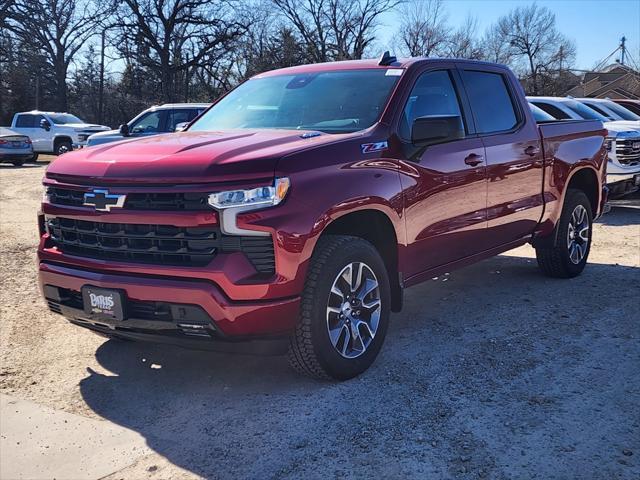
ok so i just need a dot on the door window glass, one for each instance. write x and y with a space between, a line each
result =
490 100
150 123
432 95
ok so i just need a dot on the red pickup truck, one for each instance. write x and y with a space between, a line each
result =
293 213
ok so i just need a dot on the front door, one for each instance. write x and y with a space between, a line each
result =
445 185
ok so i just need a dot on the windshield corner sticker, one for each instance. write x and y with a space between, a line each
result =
373 147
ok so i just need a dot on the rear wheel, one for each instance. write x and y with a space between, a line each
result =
569 255
17 163
344 312
33 159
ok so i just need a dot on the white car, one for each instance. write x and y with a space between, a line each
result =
153 121
623 141
53 132
15 148
612 111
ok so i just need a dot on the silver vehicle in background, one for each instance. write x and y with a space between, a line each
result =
153 121
15 147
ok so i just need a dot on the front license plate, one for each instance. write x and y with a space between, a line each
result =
104 303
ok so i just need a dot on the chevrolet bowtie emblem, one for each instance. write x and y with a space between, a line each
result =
103 201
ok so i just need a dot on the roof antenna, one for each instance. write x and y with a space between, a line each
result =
386 59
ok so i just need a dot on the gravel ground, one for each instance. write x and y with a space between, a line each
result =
493 371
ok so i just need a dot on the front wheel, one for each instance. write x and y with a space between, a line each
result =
568 257
344 310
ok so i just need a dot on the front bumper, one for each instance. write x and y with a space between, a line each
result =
225 320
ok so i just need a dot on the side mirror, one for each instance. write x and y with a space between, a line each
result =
435 129
181 126
44 124
124 130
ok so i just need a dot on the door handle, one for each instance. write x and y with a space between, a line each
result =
532 150
473 159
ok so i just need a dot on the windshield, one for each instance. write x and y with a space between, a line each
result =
583 111
64 118
622 112
331 102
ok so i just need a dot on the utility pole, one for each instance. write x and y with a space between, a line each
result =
623 49
101 87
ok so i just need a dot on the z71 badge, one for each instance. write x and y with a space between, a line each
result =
373 147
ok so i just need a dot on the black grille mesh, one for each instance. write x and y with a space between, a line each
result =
156 244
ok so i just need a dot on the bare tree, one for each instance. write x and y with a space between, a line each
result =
463 42
172 37
532 35
334 29
58 29
494 48
424 30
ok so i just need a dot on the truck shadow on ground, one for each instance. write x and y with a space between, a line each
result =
486 365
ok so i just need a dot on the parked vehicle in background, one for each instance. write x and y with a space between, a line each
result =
153 121
540 115
623 141
15 147
53 132
629 104
298 208
612 111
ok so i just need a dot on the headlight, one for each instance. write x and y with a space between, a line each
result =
254 198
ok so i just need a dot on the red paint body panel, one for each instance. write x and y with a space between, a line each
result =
444 213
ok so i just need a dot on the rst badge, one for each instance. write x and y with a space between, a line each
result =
103 201
373 147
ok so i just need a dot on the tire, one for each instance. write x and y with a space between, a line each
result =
18 163
344 355
33 159
568 257
62 146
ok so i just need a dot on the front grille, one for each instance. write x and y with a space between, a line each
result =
156 244
628 151
187 201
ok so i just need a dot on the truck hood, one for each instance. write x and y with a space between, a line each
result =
186 157
622 126
84 126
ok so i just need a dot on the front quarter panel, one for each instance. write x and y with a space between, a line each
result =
326 184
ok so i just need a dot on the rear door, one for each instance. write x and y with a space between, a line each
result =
513 153
444 185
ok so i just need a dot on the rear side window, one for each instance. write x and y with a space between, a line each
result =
490 100
25 121
432 95
552 110
180 116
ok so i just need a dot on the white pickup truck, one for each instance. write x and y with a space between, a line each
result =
53 132
623 141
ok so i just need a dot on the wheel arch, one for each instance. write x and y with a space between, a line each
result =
586 180
374 226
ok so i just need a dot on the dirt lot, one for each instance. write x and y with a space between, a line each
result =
493 371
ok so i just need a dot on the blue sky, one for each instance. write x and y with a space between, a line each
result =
594 25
